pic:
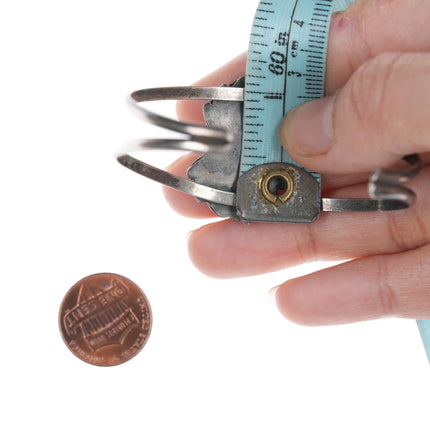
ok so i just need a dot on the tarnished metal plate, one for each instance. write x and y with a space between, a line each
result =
303 205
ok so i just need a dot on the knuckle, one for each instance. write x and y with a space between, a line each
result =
398 231
409 229
386 291
414 287
370 93
423 271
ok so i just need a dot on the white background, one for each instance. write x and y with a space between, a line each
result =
220 355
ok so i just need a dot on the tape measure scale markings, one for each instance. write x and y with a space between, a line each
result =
286 67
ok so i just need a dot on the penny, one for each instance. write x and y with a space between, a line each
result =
105 319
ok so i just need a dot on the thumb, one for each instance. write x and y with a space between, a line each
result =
379 116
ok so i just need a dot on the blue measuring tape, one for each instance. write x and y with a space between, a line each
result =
424 328
286 67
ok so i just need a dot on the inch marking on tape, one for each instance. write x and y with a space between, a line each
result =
286 67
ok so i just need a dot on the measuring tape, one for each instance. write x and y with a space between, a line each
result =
424 328
286 67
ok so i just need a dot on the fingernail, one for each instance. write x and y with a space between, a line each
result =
272 296
189 234
307 130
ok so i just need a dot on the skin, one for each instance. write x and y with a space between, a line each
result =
376 111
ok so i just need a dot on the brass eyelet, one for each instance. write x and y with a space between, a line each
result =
276 185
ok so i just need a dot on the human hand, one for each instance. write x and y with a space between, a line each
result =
376 112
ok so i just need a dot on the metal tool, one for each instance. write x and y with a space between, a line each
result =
245 174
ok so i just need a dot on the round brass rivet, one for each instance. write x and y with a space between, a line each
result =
276 185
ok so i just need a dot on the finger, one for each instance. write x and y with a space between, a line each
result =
373 287
379 116
371 27
230 249
366 29
185 204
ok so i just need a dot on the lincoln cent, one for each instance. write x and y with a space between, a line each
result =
105 319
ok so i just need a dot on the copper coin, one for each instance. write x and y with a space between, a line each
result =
105 319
